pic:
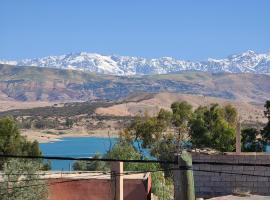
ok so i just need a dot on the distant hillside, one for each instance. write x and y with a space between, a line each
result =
249 112
19 83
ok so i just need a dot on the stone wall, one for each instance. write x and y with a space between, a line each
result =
210 184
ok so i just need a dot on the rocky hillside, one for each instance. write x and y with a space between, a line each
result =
46 84
249 61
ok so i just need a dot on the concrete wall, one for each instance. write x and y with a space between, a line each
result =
209 184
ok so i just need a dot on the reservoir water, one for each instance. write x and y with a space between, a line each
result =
75 147
79 147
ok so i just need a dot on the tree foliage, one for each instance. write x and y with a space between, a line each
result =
251 142
11 142
161 186
181 115
255 140
123 150
265 132
211 126
214 127
19 176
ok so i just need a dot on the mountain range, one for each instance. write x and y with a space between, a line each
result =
246 62
28 83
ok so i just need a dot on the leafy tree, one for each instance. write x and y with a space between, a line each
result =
251 141
42 123
265 132
214 127
21 181
147 129
123 150
230 115
182 113
25 123
161 185
11 142
199 131
69 122
211 126
163 134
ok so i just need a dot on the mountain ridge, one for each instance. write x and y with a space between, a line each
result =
246 62
46 84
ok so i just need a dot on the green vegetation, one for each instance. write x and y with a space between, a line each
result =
68 110
251 141
11 142
266 130
255 140
161 186
211 126
214 127
69 122
16 186
169 132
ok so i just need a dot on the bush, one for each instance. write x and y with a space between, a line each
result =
21 186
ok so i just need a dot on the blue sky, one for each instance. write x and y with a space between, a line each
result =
191 29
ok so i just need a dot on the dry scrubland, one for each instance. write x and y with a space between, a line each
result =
14 105
112 118
249 112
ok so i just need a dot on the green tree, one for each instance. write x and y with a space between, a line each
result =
265 132
251 142
11 142
69 122
182 113
123 150
214 127
161 185
21 180
163 134
25 123
230 115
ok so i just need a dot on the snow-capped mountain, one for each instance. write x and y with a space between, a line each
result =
248 61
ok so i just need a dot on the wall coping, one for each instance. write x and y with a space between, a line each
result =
232 153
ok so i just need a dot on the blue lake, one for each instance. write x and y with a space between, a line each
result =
75 147
79 147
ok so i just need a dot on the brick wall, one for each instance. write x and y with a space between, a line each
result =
210 184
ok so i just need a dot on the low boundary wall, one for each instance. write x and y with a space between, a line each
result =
211 184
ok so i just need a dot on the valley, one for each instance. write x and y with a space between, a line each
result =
52 103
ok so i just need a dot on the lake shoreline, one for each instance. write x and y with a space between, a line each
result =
33 135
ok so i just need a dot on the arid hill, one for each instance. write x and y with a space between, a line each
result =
54 85
249 112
